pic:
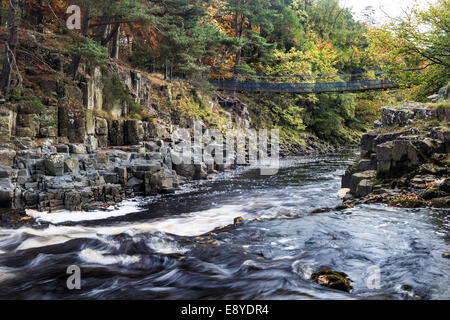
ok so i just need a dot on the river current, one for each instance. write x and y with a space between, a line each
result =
184 245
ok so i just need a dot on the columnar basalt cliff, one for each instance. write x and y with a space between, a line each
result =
89 143
405 160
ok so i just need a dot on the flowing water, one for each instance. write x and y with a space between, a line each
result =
169 247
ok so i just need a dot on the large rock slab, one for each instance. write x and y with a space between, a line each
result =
72 165
8 173
162 181
54 164
6 193
360 176
116 132
364 188
101 127
134 132
7 157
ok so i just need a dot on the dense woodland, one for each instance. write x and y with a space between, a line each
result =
257 40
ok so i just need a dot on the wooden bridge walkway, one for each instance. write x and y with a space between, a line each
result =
305 88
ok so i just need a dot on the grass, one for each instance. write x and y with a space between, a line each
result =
437 105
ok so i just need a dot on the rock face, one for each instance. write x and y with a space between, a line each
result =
134 132
72 177
409 151
6 193
7 157
54 164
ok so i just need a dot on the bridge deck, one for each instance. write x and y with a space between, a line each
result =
319 87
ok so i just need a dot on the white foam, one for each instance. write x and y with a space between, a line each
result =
125 208
192 224
102 257
166 247
5 275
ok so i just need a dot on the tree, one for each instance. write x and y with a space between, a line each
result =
10 47
415 48
426 33
112 14
253 20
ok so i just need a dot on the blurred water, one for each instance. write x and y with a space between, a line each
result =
163 248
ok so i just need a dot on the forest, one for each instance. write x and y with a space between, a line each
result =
253 40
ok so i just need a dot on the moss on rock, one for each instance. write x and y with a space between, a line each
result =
332 279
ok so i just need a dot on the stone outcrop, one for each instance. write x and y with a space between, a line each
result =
405 159
72 177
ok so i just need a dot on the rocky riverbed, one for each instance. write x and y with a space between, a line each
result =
74 177
405 160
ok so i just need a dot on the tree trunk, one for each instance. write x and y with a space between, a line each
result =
76 60
110 35
10 47
116 44
237 63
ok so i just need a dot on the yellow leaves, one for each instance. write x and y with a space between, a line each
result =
293 62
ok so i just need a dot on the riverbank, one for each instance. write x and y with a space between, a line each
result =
68 177
175 247
405 160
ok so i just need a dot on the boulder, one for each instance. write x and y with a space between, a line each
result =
360 176
72 165
384 151
332 279
8 173
396 116
134 130
111 178
162 181
364 188
6 193
101 126
346 178
102 157
343 193
444 185
116 132
185 170
148 167
102 141
152 146
201 171
48 132
367 144
77 148
7 157
63 148
135 183
54 164
441 202
122 175
72 201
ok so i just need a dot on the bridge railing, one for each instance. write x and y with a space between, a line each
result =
319 87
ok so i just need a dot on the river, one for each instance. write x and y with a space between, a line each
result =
165 247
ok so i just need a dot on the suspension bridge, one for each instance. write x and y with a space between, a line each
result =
305 87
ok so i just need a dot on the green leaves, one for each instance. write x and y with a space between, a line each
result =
415 49
92 50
